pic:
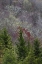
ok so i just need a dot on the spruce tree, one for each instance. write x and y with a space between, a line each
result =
9 57
36 48
21 46
5 39
28 47
5 42
30 58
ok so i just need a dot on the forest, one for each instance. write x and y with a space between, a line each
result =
20 31
21 52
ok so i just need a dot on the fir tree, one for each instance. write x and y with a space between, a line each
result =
9 56
5 39
21 46
5 42
36 48
30 58
28 47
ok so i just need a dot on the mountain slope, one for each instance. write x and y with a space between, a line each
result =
12 17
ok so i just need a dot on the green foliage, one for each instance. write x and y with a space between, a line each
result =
36 48
27 54
5 39
28 47
21 46
5 42
38 60
29 59
9 57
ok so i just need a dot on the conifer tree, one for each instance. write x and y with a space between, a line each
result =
21 46
28 47
9 57
5 39
36 48
30 58
5 42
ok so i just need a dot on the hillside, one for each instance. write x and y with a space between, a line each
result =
23 13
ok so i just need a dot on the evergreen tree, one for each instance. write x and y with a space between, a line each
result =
5 42
28 47
36 48
30 58
9 57
5 39
21 46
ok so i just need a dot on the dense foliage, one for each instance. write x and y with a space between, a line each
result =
21 46
20 53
